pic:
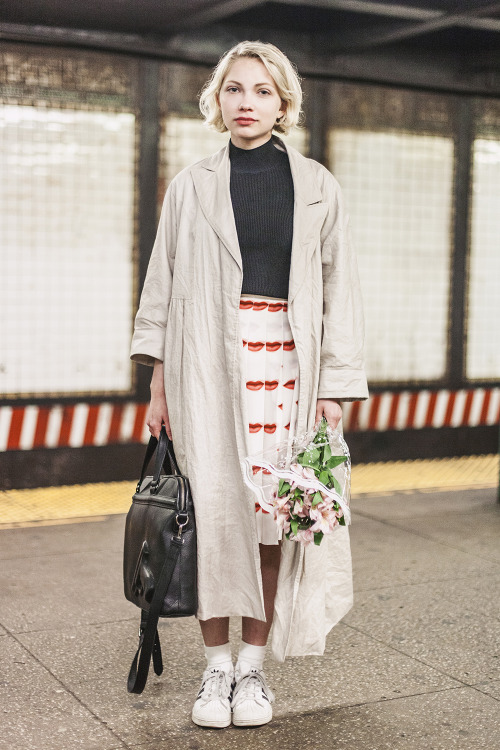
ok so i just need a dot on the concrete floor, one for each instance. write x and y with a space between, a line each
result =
414 666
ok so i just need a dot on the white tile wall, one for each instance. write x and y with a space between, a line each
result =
483 335
66 240
398 189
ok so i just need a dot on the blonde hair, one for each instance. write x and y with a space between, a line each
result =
279 68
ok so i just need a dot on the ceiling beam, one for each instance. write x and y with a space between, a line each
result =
362 39
394 10
207 12
438 71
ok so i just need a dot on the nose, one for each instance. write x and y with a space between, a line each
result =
245 104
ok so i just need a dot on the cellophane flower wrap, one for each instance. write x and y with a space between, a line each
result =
305 483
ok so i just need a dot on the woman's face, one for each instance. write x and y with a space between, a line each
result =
250 103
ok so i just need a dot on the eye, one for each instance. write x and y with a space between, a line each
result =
264 91
232 88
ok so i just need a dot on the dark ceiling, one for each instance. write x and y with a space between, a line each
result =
337 37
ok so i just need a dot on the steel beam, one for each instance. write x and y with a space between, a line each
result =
439 71
458 291
362 39
395 10
208 12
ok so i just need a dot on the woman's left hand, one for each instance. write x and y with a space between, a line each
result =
331 409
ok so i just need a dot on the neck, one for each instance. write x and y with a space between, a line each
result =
249 145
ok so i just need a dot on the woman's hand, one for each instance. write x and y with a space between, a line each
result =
331 409
158 412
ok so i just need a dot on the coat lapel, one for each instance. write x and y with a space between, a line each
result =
309 214
211 179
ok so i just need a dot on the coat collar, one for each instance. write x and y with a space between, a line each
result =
211 179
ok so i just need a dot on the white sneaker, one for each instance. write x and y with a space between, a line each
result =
212 707
252 700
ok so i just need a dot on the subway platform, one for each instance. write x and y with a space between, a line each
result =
415 665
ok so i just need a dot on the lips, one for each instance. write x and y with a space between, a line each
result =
254 427
270 428
288 345
277 306
259 306
246 304
255 346
245 342
255 385
290 384
271 385
273 346
245 120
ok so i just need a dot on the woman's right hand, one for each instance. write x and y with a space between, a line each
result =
158 412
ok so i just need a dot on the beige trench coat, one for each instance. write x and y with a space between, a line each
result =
188 317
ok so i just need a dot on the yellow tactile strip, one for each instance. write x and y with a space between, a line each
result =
53 505
426 475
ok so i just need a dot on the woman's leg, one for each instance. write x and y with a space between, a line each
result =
253 631
215 632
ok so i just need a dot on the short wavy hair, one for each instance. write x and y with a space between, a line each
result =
279 67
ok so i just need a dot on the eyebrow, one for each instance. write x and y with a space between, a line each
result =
266 83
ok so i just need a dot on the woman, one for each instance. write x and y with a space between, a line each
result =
251 316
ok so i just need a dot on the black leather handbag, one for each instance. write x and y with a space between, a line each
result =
159 560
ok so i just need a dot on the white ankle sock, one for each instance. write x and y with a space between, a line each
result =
250 656
219 657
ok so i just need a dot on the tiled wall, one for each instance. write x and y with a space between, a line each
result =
398 188
66 236
483 320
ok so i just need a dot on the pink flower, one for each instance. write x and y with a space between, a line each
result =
306 536
300 510
282 503
324 517
282 518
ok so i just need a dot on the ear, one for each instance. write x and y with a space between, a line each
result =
282 111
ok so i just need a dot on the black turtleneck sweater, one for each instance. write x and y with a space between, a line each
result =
262 198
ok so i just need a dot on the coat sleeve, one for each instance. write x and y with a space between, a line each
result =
148 341
342 373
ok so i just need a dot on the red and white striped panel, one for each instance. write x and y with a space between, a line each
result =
77 425
413 410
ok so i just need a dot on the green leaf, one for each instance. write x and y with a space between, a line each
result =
327 452
318 536
336 486
317 498
324 477
309 457
294 526
283 487
342 521
335 461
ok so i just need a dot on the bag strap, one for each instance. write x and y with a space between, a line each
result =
149 642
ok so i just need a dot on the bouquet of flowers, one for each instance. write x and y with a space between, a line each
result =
305 483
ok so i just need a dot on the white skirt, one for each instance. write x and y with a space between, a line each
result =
271 372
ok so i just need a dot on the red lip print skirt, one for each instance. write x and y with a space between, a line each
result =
271 374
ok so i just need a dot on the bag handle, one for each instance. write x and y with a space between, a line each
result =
165 448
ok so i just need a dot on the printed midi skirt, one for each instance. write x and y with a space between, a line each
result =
271 372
